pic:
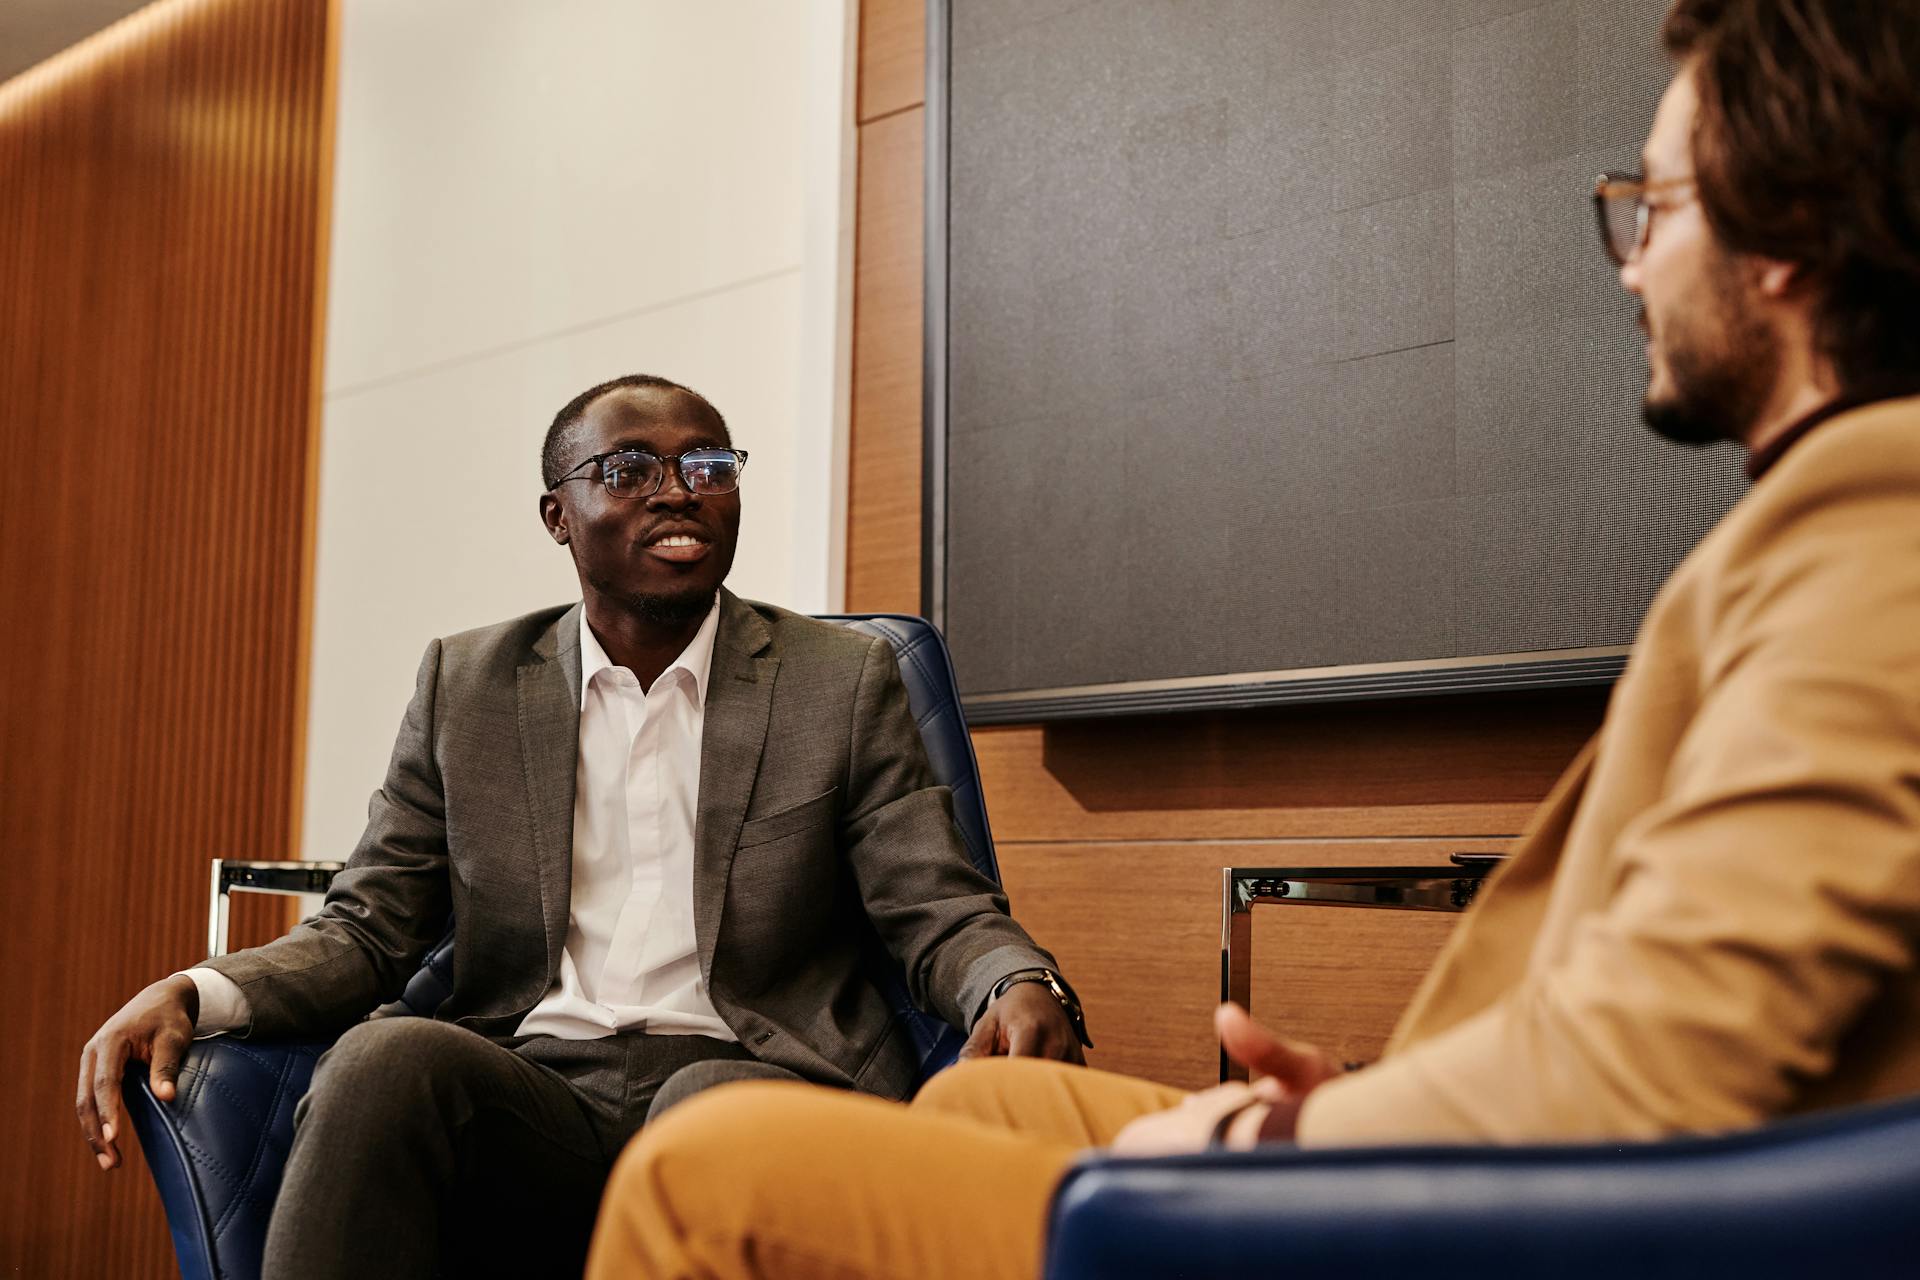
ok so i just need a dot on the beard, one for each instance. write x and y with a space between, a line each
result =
1722 365
662 608
676 609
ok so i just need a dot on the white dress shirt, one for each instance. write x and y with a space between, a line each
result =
630 961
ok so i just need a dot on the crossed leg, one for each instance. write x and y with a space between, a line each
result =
791 1180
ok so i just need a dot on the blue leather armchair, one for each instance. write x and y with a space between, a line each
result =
1833 1194
217 1151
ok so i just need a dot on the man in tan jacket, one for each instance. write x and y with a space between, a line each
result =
1713 919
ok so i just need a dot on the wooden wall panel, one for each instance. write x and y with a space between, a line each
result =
1137 929
1441 767
163 188
1111 834
883 480
893 57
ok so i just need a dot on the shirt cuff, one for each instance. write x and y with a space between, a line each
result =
223 1006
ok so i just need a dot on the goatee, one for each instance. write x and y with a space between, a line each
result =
1685 423
675 610
1721 366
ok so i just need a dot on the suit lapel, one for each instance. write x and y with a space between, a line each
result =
733 738
548 690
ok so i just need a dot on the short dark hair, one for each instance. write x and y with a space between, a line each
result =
1807 149
562 434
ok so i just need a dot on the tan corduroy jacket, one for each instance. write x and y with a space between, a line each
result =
1713 919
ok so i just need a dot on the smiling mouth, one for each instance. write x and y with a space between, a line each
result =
679 548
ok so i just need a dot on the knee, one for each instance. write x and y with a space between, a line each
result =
698 1077
388 1064
688 1177
725 1116
974 1087
707 1138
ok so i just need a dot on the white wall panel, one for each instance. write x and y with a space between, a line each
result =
510 168
531 198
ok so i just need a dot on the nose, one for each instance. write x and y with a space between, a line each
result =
1630 275
673 494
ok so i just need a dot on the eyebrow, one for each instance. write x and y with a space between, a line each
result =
641 446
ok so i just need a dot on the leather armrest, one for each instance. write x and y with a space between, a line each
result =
1831 1194
218 1149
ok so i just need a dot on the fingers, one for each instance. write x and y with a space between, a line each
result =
169 1051
1294 1064
1062 1044
1050 1037
108 1066
1247 1042
1023 1039
84 1108
981 1043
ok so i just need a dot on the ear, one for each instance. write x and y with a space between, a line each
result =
554 516
1777 279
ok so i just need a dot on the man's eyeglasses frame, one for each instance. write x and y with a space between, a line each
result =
1613 190
677 461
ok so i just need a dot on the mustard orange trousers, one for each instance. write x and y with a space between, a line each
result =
792 1180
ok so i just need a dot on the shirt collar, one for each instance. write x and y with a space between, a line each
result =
1762 460
696 659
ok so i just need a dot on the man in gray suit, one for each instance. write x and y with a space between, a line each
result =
668 822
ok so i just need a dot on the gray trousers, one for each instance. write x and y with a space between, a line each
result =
425 1149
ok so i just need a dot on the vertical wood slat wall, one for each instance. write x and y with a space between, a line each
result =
1111 835
163 197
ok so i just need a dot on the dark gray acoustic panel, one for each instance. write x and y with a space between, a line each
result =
1273 356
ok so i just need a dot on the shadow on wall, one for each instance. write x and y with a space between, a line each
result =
1505 748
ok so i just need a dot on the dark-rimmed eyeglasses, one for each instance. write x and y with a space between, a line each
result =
635 473
1626 219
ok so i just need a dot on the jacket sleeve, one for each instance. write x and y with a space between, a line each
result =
381 915
944 921
1754 913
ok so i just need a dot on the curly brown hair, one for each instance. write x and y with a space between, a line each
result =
1807 150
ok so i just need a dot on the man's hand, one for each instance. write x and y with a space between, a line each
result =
1187 1127
1268 1108
1025 1022
1289 1071
156 1027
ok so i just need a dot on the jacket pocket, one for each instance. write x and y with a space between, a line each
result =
808 813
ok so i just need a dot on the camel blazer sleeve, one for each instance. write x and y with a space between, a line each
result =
1704 961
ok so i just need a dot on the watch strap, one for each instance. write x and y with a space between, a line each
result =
1056 987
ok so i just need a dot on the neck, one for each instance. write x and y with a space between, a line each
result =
644 646
1806 383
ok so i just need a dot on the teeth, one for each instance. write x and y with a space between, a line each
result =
678 540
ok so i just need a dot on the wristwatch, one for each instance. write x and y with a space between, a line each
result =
1056 987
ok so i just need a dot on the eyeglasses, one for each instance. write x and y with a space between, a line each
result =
635 473
1626 219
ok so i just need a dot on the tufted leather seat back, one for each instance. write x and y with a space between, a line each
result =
927 670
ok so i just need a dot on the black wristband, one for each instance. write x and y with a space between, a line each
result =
1225 1122
1057 987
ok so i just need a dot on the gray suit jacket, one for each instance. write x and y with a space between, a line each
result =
818 826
